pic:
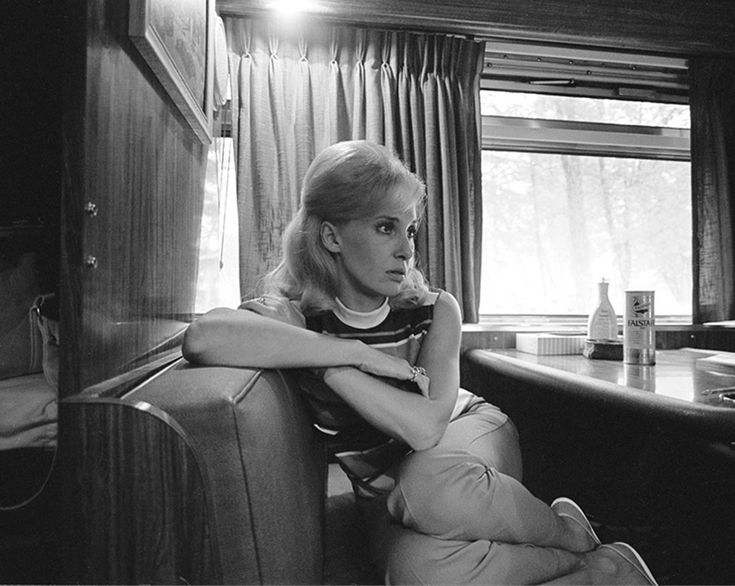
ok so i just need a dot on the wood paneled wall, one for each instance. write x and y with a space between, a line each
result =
129 267
676 26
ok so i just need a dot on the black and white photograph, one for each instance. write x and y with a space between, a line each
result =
367 292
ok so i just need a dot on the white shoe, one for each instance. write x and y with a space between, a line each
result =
633 558
566 507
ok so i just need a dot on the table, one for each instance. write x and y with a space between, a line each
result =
678 388
648 451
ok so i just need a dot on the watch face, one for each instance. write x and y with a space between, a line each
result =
221 63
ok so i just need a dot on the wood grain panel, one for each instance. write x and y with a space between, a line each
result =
677 26
72 197
135 505
132 156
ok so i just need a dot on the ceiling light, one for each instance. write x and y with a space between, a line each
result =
291 7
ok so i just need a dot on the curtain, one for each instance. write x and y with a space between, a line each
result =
713 187
297 91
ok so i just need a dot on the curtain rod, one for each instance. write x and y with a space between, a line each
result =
319 18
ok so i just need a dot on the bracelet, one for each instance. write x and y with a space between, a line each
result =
416 371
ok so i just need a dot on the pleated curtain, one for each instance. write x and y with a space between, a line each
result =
712 106
296 91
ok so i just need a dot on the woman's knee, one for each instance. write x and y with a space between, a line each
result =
504 450
498 445
490 435
433 490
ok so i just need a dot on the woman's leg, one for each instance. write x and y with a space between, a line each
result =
480 449
404 556
416 558
468 488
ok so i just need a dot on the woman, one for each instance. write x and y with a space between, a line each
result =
436 469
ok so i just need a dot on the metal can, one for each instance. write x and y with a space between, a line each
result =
640 376
639 328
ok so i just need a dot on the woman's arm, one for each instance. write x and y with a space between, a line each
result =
237 337
418 420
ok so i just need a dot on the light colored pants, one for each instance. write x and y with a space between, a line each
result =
459 514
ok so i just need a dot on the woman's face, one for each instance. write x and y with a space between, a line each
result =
372 255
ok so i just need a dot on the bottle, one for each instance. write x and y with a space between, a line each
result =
603 323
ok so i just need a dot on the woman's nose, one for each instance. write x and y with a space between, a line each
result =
406 248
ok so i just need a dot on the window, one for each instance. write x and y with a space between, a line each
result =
584 179
218 280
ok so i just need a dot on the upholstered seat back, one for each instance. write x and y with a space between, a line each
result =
261 465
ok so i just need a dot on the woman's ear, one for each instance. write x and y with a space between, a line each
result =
330 237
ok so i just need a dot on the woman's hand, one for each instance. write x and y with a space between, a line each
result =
421 379
384 365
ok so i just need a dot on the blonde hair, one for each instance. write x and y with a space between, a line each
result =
346 181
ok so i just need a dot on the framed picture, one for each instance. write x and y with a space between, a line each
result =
175 37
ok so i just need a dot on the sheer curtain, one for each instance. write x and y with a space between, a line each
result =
297 91
713 186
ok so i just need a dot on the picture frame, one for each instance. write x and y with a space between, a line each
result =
175 37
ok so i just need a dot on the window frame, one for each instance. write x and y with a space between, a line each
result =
506 133
566 72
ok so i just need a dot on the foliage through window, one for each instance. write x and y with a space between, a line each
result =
579 189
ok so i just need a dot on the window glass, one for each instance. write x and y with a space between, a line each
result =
549 107
555 225
218 280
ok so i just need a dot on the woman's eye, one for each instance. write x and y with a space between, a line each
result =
411 232
385 228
